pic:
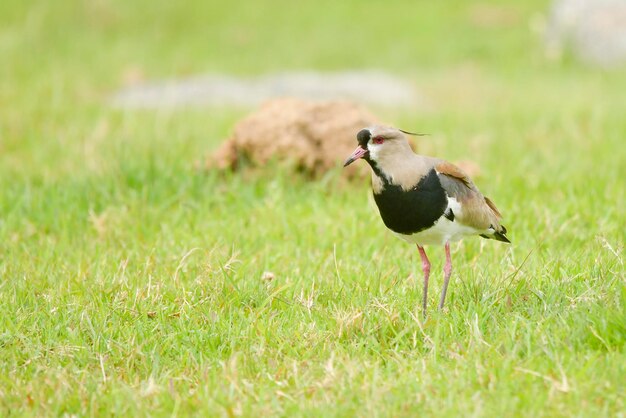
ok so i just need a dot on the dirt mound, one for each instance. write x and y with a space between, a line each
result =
313 136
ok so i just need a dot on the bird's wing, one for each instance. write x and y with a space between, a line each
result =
455 172
476 211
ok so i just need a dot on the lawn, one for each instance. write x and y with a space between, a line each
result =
133 283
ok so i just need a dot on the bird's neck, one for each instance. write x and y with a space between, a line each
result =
404 170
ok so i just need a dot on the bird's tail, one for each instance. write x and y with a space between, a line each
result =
497 235
496 231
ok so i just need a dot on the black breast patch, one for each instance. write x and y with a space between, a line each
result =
411 211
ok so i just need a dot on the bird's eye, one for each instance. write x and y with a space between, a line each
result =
378 140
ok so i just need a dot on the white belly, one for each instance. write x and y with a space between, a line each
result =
443 231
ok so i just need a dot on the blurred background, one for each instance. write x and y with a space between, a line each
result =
81 55
72 69
128 95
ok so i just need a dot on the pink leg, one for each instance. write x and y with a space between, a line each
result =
426 270
447 270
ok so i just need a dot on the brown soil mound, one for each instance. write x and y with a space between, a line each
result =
313 136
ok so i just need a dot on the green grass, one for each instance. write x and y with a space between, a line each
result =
131 282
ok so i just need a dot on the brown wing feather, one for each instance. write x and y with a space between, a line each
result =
493 207
478 211
450 169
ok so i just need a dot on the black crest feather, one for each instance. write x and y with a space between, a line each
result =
411 133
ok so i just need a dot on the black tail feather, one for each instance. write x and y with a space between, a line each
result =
498 236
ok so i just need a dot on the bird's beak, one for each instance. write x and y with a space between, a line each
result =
358 153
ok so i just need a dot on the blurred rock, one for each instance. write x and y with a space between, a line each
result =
374 87
313 136
594 30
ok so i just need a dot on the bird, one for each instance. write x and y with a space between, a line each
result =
424 200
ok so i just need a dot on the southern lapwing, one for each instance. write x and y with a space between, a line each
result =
424 200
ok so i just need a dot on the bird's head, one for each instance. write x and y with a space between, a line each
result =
379 142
